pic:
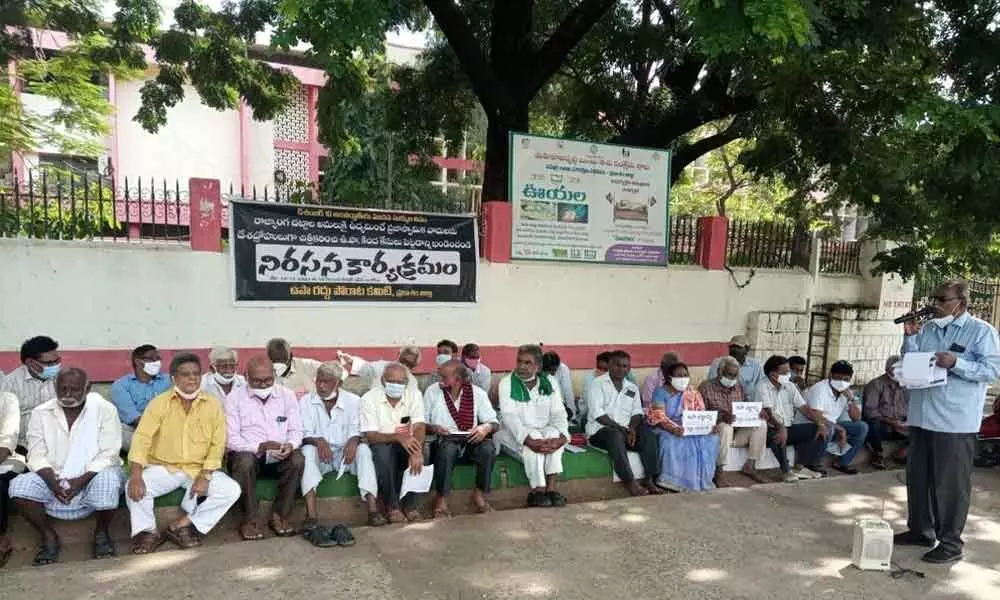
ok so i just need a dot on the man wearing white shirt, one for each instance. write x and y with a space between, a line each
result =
372 371
833 397
73 445
461 415
293 372
534 425
392 419
781 401
615 423
11 463
222 377
331 429
553 365
479 374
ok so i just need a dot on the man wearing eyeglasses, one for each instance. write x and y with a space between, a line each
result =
33 383
943 422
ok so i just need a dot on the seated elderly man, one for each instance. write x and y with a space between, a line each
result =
479 374
222 377
534 425
392 418
462 418
263 436
409 357
719 394
834 399
292 372
11 463
751 372
616 424
331 440
885 409
131 393
73 445
179 444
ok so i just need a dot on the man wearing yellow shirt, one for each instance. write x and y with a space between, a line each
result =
179 444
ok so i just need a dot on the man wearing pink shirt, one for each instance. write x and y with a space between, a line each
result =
263 436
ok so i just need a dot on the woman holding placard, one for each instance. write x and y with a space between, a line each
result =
688 444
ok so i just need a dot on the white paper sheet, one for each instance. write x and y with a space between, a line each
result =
698 422
574 449
271 457
747 414
342 469
920 371
835 449
419 484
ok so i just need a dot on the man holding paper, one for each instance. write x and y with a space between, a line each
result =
462 418
943 421
263 435
331 441
725 394
392 418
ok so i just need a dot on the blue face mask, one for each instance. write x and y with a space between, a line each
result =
50 371
394 390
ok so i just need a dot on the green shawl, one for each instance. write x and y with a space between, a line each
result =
519 392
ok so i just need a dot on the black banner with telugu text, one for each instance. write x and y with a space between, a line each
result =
294 253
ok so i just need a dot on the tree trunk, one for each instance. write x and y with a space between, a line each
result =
497 167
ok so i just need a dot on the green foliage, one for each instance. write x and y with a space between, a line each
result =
58 205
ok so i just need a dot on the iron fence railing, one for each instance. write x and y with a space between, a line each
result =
767 244
683 240
840 257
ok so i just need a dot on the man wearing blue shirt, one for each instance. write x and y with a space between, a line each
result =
943 422
131 393
751 372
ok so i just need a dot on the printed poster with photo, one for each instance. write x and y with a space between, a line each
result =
587 202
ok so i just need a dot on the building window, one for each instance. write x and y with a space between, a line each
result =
78 165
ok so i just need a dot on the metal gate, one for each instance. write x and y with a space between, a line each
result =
819 346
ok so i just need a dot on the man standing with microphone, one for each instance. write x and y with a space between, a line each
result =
943 422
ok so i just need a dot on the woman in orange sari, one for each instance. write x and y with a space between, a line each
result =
686 463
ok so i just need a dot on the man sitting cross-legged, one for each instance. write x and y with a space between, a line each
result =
179 444
462 418
534 426
331 440
392 418
263 435
73 445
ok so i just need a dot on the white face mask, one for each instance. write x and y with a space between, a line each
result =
394 390
70 402
152 368
440 359
727 382
329 396
186 395
680 383
785 379
223 379
839 385
262 393
279 369
943 322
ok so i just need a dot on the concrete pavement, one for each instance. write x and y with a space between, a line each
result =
774 541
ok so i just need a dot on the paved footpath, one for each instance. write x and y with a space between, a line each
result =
774 541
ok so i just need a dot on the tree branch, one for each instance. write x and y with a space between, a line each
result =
689 153
490 91
553 52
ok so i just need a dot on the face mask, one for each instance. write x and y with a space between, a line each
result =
279 369
152 368
440 359
680 383
223 379
394 390
329 396
472 363
943 322
839 385
50 371
186 395
263 393
526 379
727 382
785 379
70 402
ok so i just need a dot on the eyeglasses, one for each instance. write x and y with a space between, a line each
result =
943 299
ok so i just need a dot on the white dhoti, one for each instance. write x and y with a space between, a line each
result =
536 466
223 492
363 468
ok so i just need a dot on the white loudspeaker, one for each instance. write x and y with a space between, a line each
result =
872 545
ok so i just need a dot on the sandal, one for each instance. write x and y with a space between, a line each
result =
146 542
280 530
396 516
375 519
5 552
441 513
249 532
485 508
539 500
343 536
308 523
104 547
319 536
47 554
413 515
185 537
556 499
